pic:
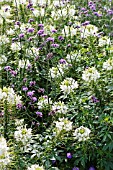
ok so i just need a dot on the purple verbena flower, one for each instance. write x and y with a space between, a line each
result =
31 20
69 155
50 39
55 45
91 168
24 88
34 99
21 35
30 93
75 168
40 25
62 61
40 32
94 99
39 114
30 30
41 90
32 83
7 68
61 38
19 106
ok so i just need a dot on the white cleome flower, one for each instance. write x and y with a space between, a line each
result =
55 72
59 107
9 95
108 65
88 30
90 74
104 41
5 11
69 31
63 124
4 40
23 63
43 102
35 167
3 59
73 56
22 134
16 46
68 85
4 155
81 133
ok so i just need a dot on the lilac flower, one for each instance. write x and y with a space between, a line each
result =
54 31
40 25
32 83
30 93
86 23
69 45
41 90
69 155
51 113
29 5
24 88
31 20
91 168
94 99
50 39
17 23
61 38
19 106
14 39
55 45
43 35
75 168
13 73
49 56
83 9
39 114
62 61
40 32
25 79
7 68
34 99
21 35
30 30
97 14
30 39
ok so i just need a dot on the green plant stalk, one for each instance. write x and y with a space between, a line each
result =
5 120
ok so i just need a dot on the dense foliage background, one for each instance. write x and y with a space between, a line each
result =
56 85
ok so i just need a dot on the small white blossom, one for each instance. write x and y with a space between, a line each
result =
22 134
82 133
55 72
88 30
63 124
90 74
3 59
4 155
108 65
59 107
35 167
5 11
104 41
4 40
68 85
43 102
9 95
16 46
69 30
